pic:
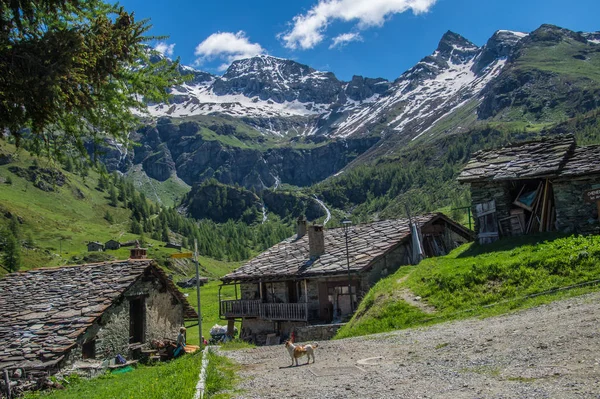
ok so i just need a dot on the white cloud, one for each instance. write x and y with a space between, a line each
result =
308 29
228 47
345 38
165 49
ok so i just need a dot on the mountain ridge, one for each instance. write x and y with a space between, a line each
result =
270 121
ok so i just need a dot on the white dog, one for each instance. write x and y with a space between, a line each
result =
297 351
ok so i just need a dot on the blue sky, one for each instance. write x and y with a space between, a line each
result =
375 38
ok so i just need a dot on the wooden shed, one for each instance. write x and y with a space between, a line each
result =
112 244
95 246
532 187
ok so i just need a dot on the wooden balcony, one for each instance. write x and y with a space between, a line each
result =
240 308
267 311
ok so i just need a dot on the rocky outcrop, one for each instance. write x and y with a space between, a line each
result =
46 179
169 148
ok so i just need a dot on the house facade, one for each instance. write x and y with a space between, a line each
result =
308 279
53 317
532 187
112 244
95 246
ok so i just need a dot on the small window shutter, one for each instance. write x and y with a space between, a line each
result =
488 222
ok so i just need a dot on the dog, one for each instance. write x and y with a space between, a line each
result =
297 351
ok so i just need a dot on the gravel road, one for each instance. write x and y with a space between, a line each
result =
551 351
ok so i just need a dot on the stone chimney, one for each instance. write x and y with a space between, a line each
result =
137 252
300 227
316 241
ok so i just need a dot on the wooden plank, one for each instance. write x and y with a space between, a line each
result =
544 206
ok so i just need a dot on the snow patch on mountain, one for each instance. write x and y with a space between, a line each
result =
434 88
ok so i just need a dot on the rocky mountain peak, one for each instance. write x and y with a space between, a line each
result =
267 65
551 34
500 45
452 49
454 45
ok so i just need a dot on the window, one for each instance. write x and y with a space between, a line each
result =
88 350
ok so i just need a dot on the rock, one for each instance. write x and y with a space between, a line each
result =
5 159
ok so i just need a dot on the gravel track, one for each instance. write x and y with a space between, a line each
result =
551 351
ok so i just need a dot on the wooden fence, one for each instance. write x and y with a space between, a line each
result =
267 311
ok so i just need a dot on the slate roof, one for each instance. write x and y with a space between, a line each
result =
584 161
45 310
367 242
533 159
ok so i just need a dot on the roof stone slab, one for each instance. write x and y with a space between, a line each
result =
584 161
290 258
533 159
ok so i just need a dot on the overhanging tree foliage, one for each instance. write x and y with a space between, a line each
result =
75 70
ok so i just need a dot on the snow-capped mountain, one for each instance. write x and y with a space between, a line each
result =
267 87
264 88
283 97
452 76
269 121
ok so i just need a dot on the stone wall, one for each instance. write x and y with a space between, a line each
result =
573 214
259 329
387 265
164 317
322 332
250 291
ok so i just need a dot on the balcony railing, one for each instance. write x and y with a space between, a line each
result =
267 311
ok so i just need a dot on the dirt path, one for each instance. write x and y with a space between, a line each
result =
552 351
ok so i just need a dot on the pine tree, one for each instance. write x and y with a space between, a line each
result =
68 164
15 227
165 233
135 228
12 252
113 197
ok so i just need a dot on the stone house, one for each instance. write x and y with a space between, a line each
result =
309 280
95 246
112 244
52 317
533 187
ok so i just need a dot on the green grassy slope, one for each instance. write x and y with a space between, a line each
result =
61 222
479 280
168 193
174 380
65 219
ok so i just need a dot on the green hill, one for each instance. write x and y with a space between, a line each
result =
59 212
479 280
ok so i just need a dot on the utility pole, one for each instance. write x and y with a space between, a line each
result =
346 225
198 293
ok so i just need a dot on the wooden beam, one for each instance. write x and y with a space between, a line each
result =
544 207
306 288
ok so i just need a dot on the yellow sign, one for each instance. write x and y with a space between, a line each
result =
182 255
